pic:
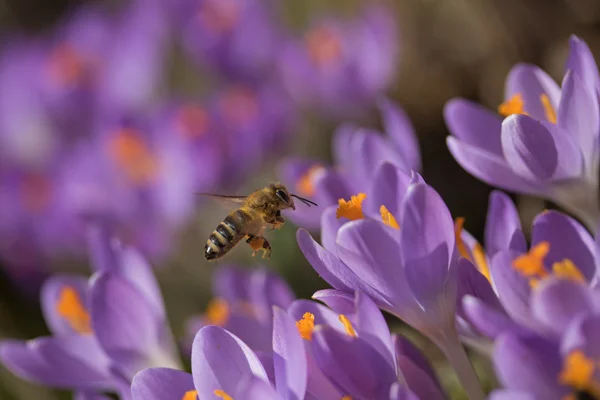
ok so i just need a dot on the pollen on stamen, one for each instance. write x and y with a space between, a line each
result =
70 307
531 264
460 244
347 325
481 261
221 393
306 325
548 109
304 186
578 371
346 398
217 312
388 218
351 209
514 105
190 395
133 156
566 269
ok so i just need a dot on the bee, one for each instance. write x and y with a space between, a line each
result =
259 210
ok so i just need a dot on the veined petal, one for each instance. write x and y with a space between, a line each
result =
371 326
51 293
488 320
289 358
581 62
221 361
257 389
338 301
388 188
502 226
161 383
398 127
475 125
531 82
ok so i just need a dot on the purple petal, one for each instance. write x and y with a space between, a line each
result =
221 361
266 290
401 392
101 248
372 327
352 364
330 225
50 297
530 364
257 389
474 125
161 383
502 227
581 62
488 320
388 188
342 147
338 301
578 115
330 186
89 396
512 395
427 247
490 168
372 149
568 240
231 284
531 82
582 334
266 359
471 282
398 127
289 358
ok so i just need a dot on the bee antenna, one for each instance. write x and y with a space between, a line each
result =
305 201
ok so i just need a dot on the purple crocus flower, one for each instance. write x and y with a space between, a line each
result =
223 366
243 305
105 329
342 67
357 154
403 256
547 144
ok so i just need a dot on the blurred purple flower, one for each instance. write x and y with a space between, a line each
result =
548 143
243 305
342 67
105 329
358 153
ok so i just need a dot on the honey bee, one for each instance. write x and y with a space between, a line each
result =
259 210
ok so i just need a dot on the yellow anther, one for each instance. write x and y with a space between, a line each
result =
460 244
304 186
566 269
217 312
481 261
324 46
548 109
514 105
190 395
388 218
192 121
346 398
220 393
351 209
532 264
70 307
347 325
306 326
133 156
578 371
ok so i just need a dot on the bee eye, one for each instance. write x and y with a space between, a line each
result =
282 195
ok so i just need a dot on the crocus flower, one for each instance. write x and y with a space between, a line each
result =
543 141
224 367
243 305
342 67
357 153
104 329
403 256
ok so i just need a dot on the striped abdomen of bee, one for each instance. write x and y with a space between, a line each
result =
229 233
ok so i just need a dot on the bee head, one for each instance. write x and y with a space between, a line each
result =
282 195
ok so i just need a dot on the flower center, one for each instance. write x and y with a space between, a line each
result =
219 16
347 325
346 398
239 106
531 265
304 186
306 325
324 46
578 373
192 121
190 395
221 393
477 254
67 66
70 307
36 191
133 156
514 105
566 269
351 209
388 218
217 312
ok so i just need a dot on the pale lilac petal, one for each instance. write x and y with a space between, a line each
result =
89 396
160 384
568 240
579 116
50 297
330 186
501 394
319 387
502 227
488 320
221 361
471 282
401 392
342 147
330 226
257 389
372 327
475 125
289 358
338 301
101 248
556 302
583 334
372 150
490 168
398 127
388 188
581 62
267 289
231 284
266 359
531 82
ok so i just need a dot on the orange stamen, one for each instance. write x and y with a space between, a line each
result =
69 307
481 261
67 66
532 263
192 121
324 46
566 269
239 105
548 109
578 371
351 209
347 325
304 186
220 393
514 105
190 395
388 218
306 326
460 244
133 155
217 312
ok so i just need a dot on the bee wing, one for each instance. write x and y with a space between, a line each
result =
225 199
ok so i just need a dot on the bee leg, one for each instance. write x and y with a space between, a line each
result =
277 221
259 243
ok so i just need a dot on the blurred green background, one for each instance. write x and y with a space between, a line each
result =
448 48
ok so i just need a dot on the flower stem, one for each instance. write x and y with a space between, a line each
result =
581 200
458 359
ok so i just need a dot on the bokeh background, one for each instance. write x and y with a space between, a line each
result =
441 49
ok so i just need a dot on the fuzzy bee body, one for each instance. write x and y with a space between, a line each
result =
260 209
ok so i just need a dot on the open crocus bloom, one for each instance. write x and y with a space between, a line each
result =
105 329
547 143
